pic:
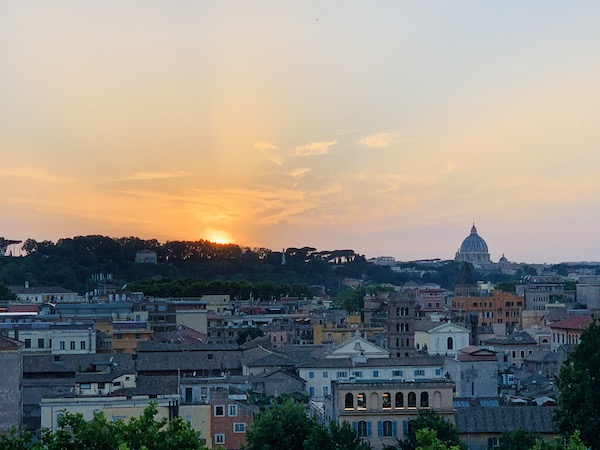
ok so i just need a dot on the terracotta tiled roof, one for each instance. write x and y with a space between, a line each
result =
575 322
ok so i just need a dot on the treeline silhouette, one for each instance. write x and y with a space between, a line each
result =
72 262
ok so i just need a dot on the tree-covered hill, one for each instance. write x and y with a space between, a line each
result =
71 263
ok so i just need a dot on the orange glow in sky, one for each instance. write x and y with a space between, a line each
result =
387 128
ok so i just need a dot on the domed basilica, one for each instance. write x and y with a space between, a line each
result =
473 250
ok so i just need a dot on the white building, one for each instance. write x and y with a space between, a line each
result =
54 338
440 338
319 374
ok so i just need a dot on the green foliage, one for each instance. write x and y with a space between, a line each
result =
287 426
507 286
579 396
335 437
15 441
572 443
517 440
284 426
251 333
144 432
428 440
6 295
445 431
352 300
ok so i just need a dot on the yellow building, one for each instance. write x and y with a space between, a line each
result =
335 333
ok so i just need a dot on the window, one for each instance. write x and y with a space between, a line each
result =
27 343
438 372
239 427
399 400
396 373
342 375
363 428
357 374
40 343
101 385
232 410
189 394
424 400
311 391
450 343
493 442
419 372
361 401
219 438
72 345
386 428
349 401
219 411
119 336
85 386
376 374
311 374
387 400
62 345
412 400
325 391
82 345
325 374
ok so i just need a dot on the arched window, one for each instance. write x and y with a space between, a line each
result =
397 311
387 400
450 343
412 400
361 401
399 400
397 328
424 400
349 401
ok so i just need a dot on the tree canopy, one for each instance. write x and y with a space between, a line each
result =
445 431
144 432
579 396
287 426
517 440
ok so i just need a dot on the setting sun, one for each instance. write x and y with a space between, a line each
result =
219 237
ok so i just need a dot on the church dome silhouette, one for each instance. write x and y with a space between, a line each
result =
474 243
473 249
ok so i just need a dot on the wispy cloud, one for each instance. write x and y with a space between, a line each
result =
381 140
33 173
314 148
299 172
145 176
265 146
270 151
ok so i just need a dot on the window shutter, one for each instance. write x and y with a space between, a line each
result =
354 426
394 428
379 428
369 432
405 427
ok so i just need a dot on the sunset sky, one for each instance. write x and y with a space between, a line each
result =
385 127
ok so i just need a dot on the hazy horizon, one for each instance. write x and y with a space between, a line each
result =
385 128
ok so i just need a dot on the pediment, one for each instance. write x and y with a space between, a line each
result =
358 346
